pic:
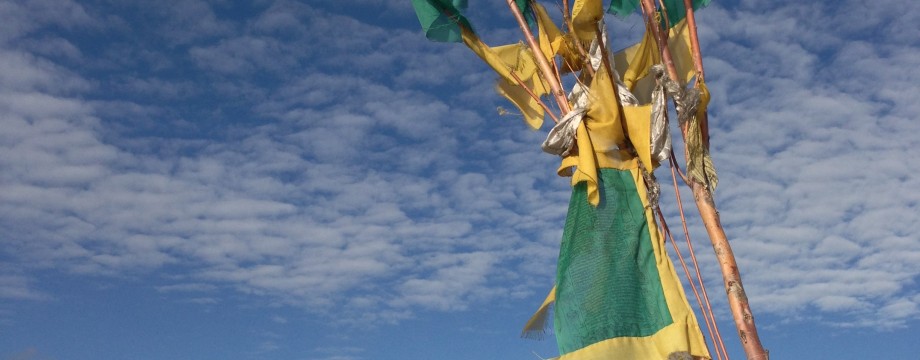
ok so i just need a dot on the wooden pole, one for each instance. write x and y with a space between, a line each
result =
542 63
737 299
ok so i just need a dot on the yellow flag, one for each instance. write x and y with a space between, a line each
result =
551 39
523 64
516 59
585 15
634 62
487 54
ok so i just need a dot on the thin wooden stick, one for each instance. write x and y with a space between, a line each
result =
542 63
648 9
737 299
707 316
567 18
534 96
698 64
694 41
717 338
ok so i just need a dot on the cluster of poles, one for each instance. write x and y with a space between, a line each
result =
702 194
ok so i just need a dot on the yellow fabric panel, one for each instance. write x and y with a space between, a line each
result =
585 15
638 124
487 54
519 58
673 338
679 44
537 322
634 62
551 39
531 110
704 99
582 166
554 42
603 118
643 56
601 134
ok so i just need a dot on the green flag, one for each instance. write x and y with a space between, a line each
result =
527 11
441 19
677 11
622 8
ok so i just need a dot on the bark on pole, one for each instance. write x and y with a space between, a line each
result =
737 299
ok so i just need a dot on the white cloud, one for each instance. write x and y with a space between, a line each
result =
18 287
369 175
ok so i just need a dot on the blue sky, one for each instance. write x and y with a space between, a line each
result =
315 180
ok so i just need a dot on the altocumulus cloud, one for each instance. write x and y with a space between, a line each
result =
316 159
314 203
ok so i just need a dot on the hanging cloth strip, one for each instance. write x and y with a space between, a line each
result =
661 135
561 137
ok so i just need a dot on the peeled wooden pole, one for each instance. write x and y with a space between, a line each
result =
737 299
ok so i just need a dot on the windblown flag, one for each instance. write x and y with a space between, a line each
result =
441 19
622 8
527 11
675 8
677 11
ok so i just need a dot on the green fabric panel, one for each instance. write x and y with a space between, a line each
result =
524 6
607 282
677 11
623 8
440 19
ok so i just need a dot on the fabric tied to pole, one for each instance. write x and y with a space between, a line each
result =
661 134
561 138
699 161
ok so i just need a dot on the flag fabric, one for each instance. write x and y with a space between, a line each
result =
617 294
677 11
527 11
622 8
585 15
442 20
552 42
523 65
675 8
634 62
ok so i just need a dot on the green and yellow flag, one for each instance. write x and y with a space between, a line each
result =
442 20
677 11
675 8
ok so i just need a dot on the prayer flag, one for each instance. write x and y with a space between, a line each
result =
442 20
